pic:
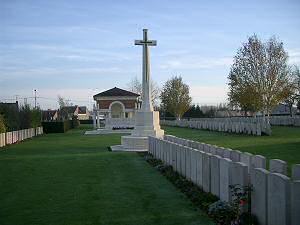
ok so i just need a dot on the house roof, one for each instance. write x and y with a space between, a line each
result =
116 92
82 109
49 113
8 108
69 109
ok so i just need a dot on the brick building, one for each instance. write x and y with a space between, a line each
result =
117 103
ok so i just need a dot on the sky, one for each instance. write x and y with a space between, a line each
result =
76 49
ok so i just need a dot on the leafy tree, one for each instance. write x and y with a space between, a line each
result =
194 112
10 112
175 97
25 116
2 124
259 78
135 85
36 116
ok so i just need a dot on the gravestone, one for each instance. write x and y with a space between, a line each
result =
278 199
239 173
199 161
206 172
235 156
258 161
227 153
215 174
188 163
194 166
212 149
182 160
220 151
246 157
295 202
178 158
200 146
259 195
173 152
278 166
296 172
225 165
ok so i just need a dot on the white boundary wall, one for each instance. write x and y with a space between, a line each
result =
275 197
251 126
285 121
13 137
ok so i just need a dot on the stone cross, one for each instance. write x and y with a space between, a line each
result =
146 92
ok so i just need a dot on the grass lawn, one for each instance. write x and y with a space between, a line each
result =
72 179
284 143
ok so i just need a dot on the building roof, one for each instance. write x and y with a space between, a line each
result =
82 110
116 92
69 109
49 113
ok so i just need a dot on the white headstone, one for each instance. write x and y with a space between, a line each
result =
295 202
278 199
278 166
259 195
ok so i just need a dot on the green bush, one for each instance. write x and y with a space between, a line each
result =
222 212
36 115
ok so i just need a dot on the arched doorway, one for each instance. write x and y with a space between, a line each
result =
117 110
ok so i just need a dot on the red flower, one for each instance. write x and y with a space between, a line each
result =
242 202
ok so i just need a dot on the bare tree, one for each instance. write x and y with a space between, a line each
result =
259 78
175 97
294 91
135 85
62 102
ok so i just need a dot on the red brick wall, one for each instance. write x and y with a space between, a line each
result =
104 104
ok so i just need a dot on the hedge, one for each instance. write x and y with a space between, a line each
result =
86 121
59 126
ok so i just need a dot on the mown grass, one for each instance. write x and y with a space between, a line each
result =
71 179
284 143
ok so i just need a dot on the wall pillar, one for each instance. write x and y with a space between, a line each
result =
94 119
98 119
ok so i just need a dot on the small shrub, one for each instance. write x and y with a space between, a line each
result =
222 212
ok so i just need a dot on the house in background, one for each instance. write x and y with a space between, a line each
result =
83 113
50 115
68 112
283 109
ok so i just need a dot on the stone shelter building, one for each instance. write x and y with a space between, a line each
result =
117 103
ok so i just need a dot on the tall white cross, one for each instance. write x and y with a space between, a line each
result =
146 93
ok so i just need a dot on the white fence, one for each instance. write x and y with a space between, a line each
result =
12 137
251 126
275 197
285 121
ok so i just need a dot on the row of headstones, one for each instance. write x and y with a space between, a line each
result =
19 135
275 197
251 127
285 121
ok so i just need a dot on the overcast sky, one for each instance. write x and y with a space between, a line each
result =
79 48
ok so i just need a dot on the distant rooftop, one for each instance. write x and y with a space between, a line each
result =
116 92
82 109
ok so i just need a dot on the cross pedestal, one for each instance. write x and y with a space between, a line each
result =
146 120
